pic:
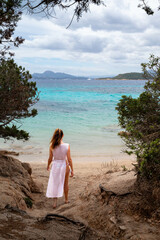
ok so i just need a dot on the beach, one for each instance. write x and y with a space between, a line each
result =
83 186
101 204
86 173
100 212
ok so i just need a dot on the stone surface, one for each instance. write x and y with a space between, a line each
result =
16 183
121 182
37 187
27 167
18 225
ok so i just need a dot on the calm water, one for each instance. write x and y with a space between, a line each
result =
84 109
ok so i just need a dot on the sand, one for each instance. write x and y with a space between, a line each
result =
100 195
86 174
96 209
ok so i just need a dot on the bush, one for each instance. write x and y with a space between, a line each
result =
28 202
140 118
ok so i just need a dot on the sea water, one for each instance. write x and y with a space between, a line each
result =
84 110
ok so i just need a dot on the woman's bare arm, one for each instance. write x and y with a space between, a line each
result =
70 160
50 158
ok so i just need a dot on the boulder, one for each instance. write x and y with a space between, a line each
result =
17 224
37 187
16 183
27 167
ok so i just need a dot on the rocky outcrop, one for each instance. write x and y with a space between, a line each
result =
112 209
27 167
12 153
17 224
16 183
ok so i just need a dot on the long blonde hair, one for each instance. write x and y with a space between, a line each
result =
56 138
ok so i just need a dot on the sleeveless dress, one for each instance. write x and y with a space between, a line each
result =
55 186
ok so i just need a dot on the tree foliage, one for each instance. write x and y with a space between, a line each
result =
80 6
146 7
17 93
48 6
17 96
140 118
9 16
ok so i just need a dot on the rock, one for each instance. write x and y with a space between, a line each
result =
15 224
113 220
123 228
4 152
156 194
120 183
11 167
27 167
16 183
10 194
37 187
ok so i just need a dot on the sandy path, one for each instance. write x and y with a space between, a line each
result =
87 204
87 175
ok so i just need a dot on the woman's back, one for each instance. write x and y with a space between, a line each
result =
60 152
59 173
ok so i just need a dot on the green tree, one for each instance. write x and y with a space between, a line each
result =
80 6
48 6
17 93
140 118
146 7
9 16
17 96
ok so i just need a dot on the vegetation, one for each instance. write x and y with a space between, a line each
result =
145 6
140 118
17 94
9 16
28 202
124 169
127 76
80 6
48 7
130 76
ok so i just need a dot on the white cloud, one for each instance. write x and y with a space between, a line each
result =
105 41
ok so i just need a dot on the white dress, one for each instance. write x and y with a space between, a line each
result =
55 186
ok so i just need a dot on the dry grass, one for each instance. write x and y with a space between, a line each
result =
110 167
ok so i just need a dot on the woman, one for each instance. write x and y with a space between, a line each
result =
59 155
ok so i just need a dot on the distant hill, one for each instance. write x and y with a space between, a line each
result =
54 75
128 76
132 75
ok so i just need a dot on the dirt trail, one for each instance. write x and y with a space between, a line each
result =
107 213
101 198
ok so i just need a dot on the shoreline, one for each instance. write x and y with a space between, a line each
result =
43 158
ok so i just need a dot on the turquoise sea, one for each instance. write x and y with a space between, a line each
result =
84 110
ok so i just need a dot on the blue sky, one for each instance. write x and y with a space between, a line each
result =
106 41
